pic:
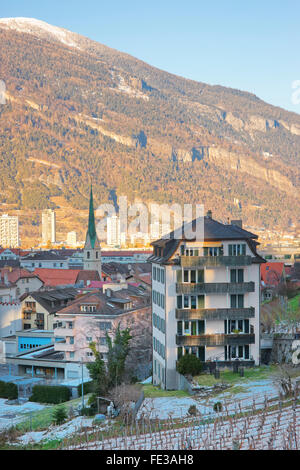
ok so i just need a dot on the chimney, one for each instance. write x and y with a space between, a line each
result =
209 214
238 223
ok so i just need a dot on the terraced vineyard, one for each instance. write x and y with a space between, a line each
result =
269 424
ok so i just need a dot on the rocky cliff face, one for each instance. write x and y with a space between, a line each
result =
78 111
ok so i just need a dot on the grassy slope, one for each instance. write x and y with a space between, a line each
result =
227 376
42 419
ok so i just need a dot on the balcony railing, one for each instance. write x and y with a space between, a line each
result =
63 331
215 340
215 313
215 288
198 261
64 347
28 310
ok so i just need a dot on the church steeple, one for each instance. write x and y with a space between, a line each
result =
91 227
92 249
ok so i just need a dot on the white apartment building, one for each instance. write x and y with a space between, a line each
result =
48 226
205 299
113 231
72 239
9 231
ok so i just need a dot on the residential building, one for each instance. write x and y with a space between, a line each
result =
90 316
48 226
75 261
72 239
45 259
9 231
205 298
39 308
23 280
113 231
57 277
125 256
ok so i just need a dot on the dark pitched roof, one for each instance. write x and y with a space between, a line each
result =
108 303
45 255
46 298
14 263
212 231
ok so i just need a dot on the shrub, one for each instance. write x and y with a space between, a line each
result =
8 390
59 415
50 394
189 364
88 387
218 407
192 410
88 411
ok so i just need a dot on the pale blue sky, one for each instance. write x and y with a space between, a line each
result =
251 45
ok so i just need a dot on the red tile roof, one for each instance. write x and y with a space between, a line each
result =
272 273
87 275
14 274
57 277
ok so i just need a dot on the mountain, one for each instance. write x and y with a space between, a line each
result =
77 111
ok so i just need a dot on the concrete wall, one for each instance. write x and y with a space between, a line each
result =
284 346
10 319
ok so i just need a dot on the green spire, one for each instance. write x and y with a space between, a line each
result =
92 228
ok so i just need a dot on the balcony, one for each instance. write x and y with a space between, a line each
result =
200 261
215 340
28 310
215 288
64 347
214 313
63 331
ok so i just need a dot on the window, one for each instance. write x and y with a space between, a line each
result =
105 325
237 250
237 301
179 301
201 301
193 302
88 255
200 275
237 275
102 341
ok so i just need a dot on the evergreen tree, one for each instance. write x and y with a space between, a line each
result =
117 353
97 373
